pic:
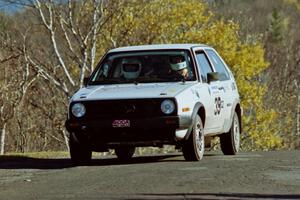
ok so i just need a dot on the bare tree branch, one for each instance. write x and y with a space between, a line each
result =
13 56
99 12
51 30
43 73
77 58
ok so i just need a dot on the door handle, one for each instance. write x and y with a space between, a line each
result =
221 88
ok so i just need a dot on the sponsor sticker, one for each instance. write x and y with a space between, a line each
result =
121 123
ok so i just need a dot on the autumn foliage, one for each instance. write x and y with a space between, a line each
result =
83 31
189 21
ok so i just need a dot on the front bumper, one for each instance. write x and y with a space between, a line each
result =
102 132
171 122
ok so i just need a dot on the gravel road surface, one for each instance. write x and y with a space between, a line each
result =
249 175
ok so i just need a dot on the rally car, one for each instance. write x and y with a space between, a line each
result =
155 95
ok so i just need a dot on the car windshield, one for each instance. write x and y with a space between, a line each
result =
144 67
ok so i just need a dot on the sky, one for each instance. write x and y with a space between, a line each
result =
9 8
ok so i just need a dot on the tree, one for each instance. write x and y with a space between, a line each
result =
191 22
57 47
7 96
276 25
60 41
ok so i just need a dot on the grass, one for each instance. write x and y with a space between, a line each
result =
41 154
65 154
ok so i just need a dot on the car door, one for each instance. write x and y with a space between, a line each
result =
213 123
225 85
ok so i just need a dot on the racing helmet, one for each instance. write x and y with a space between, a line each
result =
178 62
131 68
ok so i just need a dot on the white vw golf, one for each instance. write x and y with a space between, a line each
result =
152 95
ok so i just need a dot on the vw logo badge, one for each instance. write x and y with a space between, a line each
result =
129 109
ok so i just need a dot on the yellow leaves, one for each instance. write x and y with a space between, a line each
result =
252 56
262 131
189 21
259 123
295 3
160 21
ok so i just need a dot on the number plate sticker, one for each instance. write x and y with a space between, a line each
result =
121 123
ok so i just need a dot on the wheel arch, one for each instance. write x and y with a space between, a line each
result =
239 112
200 110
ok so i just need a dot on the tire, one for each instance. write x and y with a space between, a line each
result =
193 148
79 151
124 153
230 142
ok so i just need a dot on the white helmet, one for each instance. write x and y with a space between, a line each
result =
131 68
178 62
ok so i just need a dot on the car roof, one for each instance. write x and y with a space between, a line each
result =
156 47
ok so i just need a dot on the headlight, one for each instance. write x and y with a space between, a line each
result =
78 110
167 106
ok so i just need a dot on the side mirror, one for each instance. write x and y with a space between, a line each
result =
85 81
212 76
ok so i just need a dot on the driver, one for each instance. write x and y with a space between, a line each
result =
179 65
131 68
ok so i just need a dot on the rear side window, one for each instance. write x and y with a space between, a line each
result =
218 64
203 65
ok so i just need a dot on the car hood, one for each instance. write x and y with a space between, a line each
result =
131 91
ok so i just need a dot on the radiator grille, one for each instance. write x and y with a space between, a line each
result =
123 108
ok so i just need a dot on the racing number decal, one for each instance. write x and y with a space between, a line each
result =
218 104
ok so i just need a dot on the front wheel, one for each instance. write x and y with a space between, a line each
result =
230 142
79 151
124 153
193 148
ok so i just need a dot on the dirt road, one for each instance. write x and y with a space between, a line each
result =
251 175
